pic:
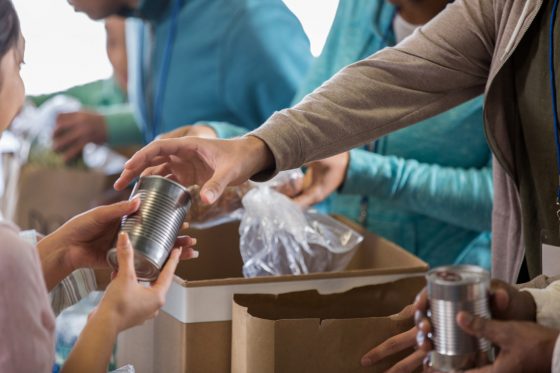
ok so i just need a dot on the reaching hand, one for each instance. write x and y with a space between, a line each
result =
212 164
524 346
74 130
194 131
323 178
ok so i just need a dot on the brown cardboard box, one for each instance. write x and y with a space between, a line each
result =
310 332
48 197
192 333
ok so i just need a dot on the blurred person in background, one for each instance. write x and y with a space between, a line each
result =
232 62
106 115
427 187
28 269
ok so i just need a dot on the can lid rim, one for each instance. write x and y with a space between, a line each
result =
184 188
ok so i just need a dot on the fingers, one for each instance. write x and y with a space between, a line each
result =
110 213
144 159
64 139
410 363
482 328
391 346
160 170
73 151
185 241
125 257
309 197
421 301
499 302
189 253
166 275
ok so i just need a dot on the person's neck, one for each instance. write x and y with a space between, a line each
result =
420 12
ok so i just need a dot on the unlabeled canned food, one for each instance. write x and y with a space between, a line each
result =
153 229
453 289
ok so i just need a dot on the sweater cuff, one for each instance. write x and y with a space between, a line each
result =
548 303
556 357
361 172
122 129
224 130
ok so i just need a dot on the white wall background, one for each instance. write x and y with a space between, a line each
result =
65 48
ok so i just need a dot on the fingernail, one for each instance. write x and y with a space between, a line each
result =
210 195
420 338
193 241
467 317
366 362
195 254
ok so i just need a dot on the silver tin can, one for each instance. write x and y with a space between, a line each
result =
153 229
453 289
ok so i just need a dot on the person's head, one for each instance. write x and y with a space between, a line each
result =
101 9
116 49
12 45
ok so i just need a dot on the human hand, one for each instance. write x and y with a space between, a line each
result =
127 303
85 239
213 164
191 130
506 303
74 130
524 346
322 178
404 341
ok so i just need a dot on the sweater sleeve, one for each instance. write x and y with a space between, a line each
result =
459 196
26 320
437 68
548 304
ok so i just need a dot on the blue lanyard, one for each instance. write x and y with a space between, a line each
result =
554 96
151 127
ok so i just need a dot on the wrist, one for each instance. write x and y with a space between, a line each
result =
259 153
107 316
53 257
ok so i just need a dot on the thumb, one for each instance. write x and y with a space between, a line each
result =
213 188
482 328
125 257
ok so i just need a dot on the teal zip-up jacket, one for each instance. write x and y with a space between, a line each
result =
232 61
427 187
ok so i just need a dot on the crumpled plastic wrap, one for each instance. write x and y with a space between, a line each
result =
229 207
34 127
278 238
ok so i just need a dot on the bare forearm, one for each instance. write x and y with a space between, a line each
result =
51 253
92 352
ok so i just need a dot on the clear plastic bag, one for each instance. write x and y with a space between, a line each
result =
228 207
278 238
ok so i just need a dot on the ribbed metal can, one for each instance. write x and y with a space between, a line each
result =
153 229
452 289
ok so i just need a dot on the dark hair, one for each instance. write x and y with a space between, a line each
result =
9 27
